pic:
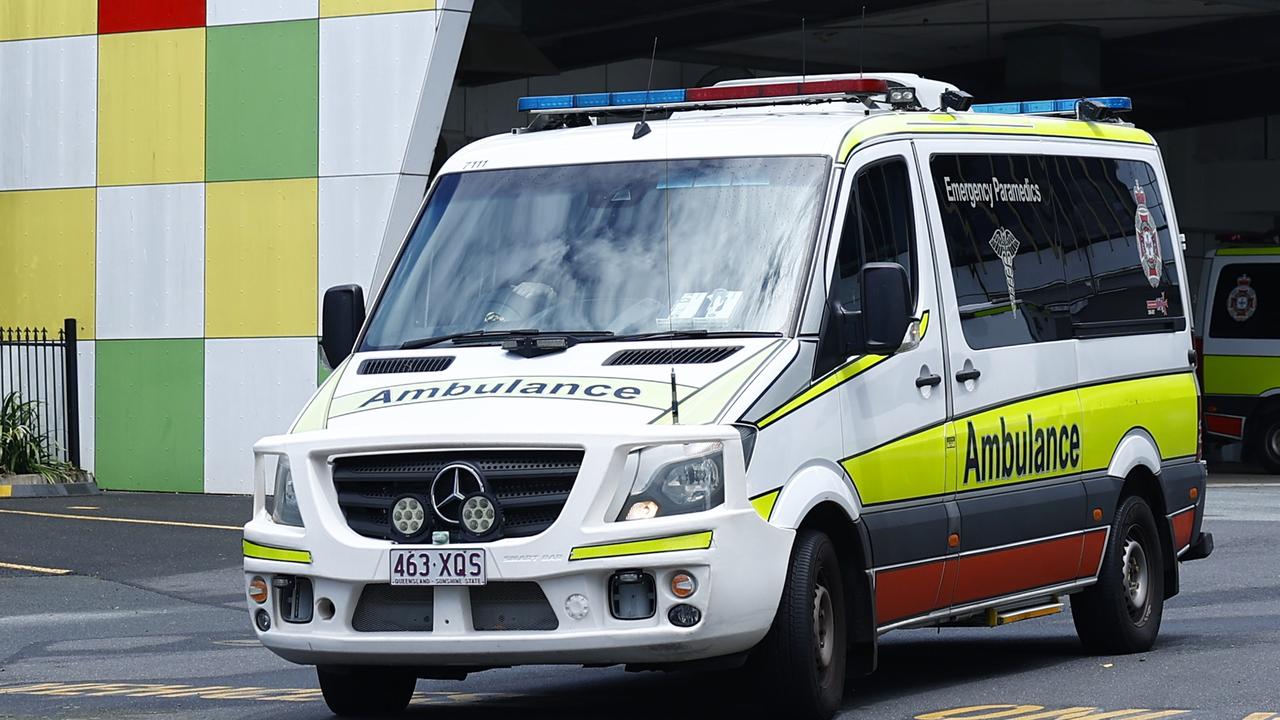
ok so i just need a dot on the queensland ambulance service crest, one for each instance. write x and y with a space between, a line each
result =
1006 247
1148 240
1242 302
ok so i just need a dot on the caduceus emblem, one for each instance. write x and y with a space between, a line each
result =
1006 247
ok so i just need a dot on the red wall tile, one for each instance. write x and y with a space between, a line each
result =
132 15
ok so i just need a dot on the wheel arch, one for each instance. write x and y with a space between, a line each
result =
820 497
1141 482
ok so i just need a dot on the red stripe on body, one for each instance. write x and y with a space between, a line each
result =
1004 572
907 591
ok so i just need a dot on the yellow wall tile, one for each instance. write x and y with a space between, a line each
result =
151 107
260 258
335 8
22 19
47 258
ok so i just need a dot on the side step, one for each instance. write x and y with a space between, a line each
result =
997 617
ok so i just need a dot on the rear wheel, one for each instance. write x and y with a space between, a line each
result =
366 692
801 662
1121 613
1266 447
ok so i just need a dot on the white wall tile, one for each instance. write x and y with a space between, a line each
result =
49 113
150 261
353 218
372 69
85 357
232 12
252 388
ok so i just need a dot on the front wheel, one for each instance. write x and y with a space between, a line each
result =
366 692
802 660
1121 613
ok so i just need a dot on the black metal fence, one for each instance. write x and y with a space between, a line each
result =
41 366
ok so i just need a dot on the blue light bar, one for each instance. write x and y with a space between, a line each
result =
637 97
1042 107
593 100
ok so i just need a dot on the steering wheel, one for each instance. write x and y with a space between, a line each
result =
514 305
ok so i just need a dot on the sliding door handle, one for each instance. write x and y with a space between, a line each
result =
967 375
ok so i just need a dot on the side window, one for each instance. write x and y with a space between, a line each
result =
879 226
1244 304
1047 248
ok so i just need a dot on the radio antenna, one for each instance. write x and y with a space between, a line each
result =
804 76
862 39
642 127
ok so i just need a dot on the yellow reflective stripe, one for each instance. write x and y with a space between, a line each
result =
1249 251
316 415
705 404
266 552
986 125
693 541
1240 374
1164 406
914 466
910 467
840 375
764 503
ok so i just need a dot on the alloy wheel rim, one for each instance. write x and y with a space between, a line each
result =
824 621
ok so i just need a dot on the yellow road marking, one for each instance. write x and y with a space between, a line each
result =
34 568
1039 712
214 692
136 521
1260 716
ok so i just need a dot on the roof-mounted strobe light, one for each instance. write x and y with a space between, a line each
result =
903 98
758 94
1092 109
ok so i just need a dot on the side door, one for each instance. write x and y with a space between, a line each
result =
893 409
1012 363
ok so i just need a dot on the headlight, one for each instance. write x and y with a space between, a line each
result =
285 508
676 479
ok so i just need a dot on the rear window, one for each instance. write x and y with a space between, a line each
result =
1244 302
1047 247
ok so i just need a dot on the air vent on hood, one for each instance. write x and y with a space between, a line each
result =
421 364
671 356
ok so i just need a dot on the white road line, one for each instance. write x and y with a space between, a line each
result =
34 568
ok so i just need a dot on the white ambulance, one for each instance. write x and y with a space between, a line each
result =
745 375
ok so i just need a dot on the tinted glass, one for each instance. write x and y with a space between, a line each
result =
879 226
1245 302
1049 248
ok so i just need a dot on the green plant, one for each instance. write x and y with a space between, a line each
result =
23 449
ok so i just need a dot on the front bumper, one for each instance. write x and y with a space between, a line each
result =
740 574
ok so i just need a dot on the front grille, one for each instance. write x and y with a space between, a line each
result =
511 606
531 486
388 608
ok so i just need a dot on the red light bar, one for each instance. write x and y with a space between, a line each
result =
859 86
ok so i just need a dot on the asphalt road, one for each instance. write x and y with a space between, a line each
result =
127 619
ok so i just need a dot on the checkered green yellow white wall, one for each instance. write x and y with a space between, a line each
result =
185 177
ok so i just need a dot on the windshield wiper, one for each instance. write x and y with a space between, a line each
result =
688 334
459 338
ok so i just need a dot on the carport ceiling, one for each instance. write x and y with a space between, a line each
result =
1184 61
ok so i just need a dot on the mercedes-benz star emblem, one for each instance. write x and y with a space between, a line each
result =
450 486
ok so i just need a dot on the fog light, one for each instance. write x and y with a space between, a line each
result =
684 615
408 516
262 620
480 516
258 590
577 606
683 585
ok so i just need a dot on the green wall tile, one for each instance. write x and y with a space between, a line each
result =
149 410
263 101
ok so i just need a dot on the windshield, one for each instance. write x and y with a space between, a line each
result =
716 245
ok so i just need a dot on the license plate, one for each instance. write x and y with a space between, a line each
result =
438 567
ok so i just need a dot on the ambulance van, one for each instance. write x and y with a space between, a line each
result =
745 376
1240 342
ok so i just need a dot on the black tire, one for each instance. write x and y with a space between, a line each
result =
800 664
1121 613
366 692
1266 444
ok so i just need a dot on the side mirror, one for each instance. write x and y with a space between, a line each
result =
342 319
881 325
